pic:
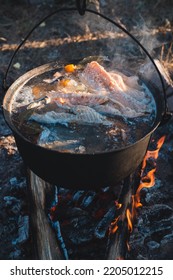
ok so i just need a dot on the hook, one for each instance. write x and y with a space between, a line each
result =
81 6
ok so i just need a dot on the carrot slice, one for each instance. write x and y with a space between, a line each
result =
70 68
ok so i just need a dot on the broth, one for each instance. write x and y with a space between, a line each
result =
84 108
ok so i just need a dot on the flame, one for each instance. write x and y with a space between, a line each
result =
114 225
129 220
153 154
117 204
148 180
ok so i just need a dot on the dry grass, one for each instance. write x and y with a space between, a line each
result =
166 57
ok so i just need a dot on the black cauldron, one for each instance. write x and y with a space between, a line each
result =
85 171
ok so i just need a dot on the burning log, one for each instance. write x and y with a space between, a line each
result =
44 240
130 201
122 225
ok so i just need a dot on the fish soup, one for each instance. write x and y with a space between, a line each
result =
84 108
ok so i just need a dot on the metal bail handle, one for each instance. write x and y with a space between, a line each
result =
81 6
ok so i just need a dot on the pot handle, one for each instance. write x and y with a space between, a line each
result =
5 87
81 8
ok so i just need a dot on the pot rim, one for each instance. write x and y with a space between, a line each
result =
22 80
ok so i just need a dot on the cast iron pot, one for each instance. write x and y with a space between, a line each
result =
85 171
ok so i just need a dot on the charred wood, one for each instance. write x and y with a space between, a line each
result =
118 240
44 239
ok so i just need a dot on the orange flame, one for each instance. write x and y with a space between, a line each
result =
129 220
114 225
147 181
153 154
117 204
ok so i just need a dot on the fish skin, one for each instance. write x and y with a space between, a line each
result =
107 110
96 76
79 114
88 115
132 86
52 117
111 111
71 99
129 102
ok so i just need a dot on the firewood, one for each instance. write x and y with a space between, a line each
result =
45 244
117 241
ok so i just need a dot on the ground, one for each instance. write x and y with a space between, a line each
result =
150 21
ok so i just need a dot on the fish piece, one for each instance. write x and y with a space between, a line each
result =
88 115
130 81
107 110
70 99
129 85
127 111
79 114
96 77
129 102
110 111
53 118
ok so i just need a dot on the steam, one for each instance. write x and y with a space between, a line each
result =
147 35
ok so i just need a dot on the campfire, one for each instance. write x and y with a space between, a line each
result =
83 220
89 126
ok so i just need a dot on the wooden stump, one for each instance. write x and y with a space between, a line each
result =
44 238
